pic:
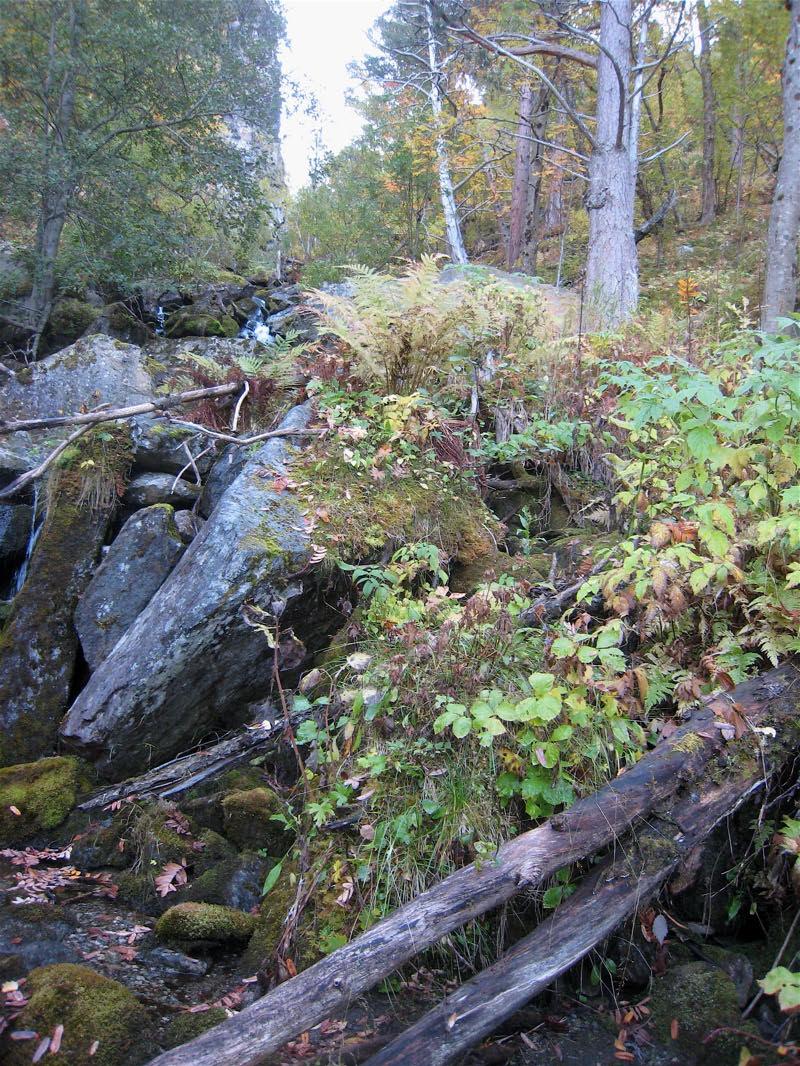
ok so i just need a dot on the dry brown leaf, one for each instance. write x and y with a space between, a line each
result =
170 879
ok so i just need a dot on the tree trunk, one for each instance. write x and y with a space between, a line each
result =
452 227
780 286
677 763
708 209
58 179
612 275
522 176
533 206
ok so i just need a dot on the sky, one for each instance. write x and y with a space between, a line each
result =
324 36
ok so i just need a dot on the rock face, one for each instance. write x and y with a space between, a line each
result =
39 644
92 371
160 448
190 663
15 529
138 562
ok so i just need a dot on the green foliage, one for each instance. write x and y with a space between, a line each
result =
784 984
413 330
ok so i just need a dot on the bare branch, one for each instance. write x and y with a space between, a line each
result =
31 475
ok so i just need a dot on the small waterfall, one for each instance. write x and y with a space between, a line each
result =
36 529
256 326
161 319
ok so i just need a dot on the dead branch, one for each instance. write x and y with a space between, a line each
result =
31 475
163 403
593 823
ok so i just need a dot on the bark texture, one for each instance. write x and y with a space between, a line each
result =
780 285
612 277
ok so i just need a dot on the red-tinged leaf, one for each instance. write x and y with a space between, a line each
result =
41 1050
170 879
199 1008
126 951
55 1039
15 811
674 1028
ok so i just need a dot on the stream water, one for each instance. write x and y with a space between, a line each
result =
37 521
256 326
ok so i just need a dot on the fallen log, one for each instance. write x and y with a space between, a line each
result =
616 891
524 862
186 771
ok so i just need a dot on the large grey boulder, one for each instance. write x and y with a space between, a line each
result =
223 474
162 448
136 565
190 663
94 370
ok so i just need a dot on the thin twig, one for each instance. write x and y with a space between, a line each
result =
238 408
244 441
754 1001
32 475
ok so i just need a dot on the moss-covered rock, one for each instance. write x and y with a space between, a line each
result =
523 568
269 927
191 322
92 1009
700 998
204 923
43 792
234 882
248 821
70 318
186 1027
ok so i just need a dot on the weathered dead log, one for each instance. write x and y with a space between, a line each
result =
526 861
186 771
616 891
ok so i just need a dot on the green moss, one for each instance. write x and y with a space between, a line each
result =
248 821
188 321
690 743
268 930
533 569
92 1009
216 849
71 317
204 923
701 998
186 1027
43 792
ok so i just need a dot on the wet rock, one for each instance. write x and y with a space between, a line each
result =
283 298
160 448
32 935
189 661
248 821
39 644
120 323
186 1027
138 562
205 924
148 489
235 882
188 525
223 473
92 1009
175 963
15 530
43 793
282 321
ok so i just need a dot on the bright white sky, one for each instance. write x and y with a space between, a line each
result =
324 36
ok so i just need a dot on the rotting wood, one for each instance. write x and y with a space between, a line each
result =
186 771
524 862
609 896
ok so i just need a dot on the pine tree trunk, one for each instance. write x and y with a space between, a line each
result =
452 227
612 276
708 210
780 287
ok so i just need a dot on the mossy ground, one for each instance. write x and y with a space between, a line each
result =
92 1009
43 792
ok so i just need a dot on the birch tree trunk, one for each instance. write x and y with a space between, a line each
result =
780 286
612 276
522 176
455 241
708 210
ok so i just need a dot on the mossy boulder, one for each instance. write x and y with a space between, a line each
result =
269 926
533 569
186 1027
248 821
234 882
43 792
70 318
191 322
204 923
700 998
92 1008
